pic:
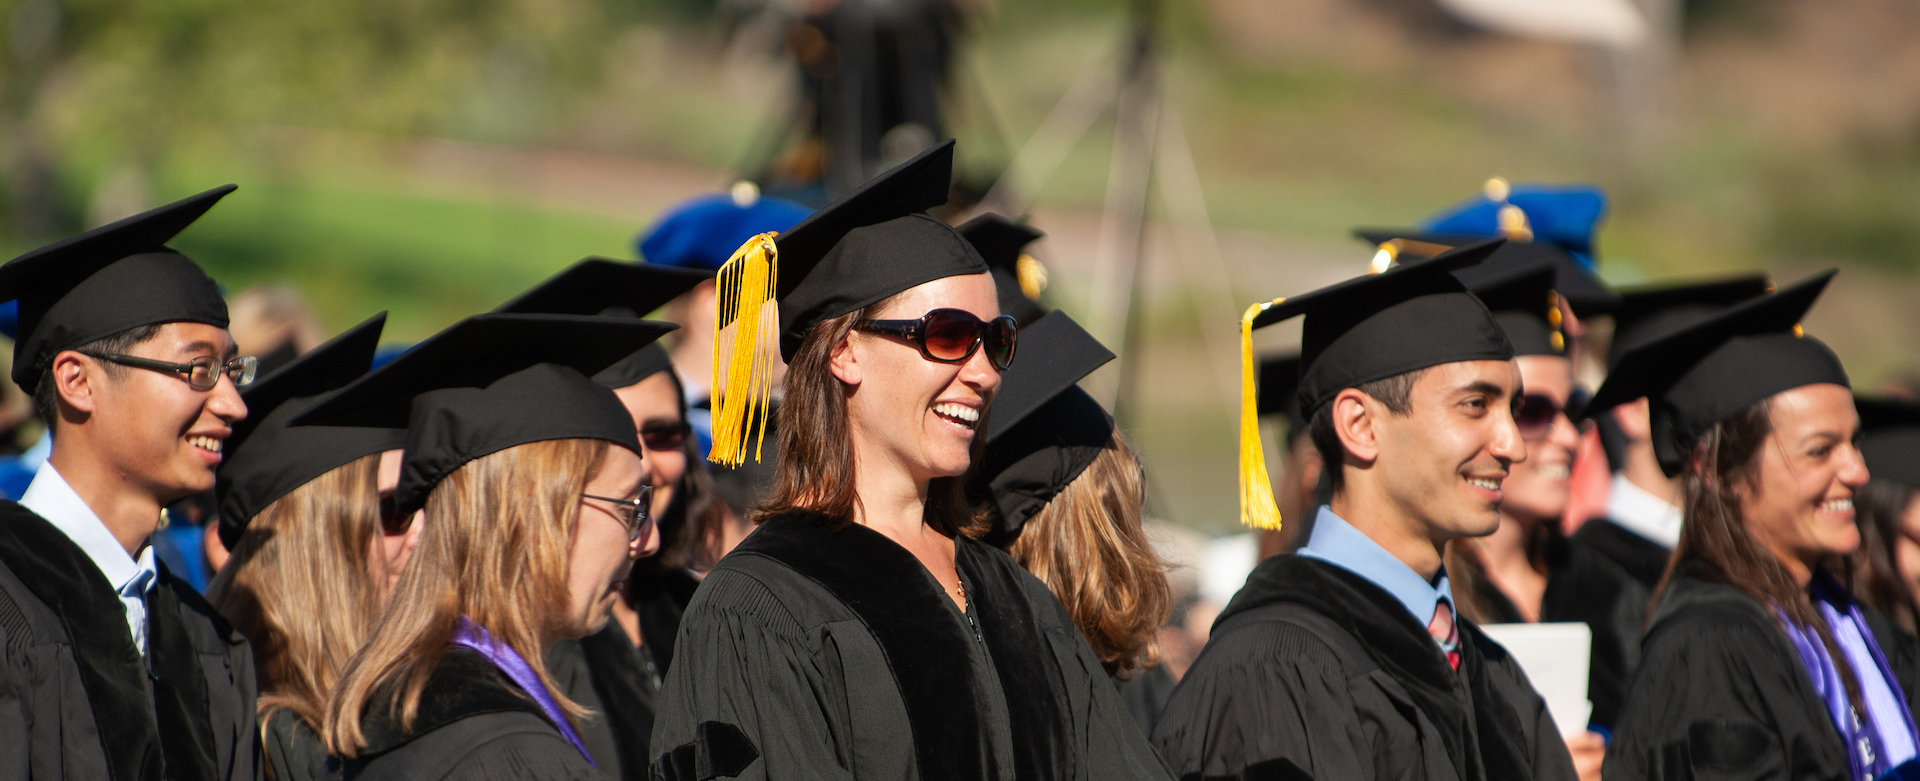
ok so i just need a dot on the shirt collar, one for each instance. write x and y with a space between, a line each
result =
1336 542
1630 507
50 497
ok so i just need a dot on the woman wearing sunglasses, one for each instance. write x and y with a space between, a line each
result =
1757 663
532 485
300 509
1887 567
1510 576
860 632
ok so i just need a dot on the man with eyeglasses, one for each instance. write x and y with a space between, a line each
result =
1348 659
116 669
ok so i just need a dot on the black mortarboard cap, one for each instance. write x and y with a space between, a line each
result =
491 382
1408 317
1522 300
1699 375
267 458
1574 282
1002 243
1890 439
1651 310
110 279
1043 429
599 286
1280 391
876 241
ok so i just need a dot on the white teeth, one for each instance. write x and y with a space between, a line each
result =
208 444
958 412
1491 485
1837 505
1554 470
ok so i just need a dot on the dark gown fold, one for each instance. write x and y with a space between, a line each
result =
77 700
1721 694
1313 672
473 724
814 653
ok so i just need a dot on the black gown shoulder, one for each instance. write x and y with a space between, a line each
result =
1313 672
1721 694
473 724
813 652
86 704
1638 557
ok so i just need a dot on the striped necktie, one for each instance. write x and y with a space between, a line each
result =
1445 633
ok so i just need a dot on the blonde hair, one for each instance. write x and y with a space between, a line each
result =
498 535
298 586
1088 546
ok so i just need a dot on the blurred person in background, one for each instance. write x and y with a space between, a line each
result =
1519 573
533 487
1296 493
1065 494
300 508
1887 568
1348 659
702 233
1757 663
274 322
117 668
859 631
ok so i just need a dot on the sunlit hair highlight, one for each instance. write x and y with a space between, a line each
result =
1088 546
495 549
299 587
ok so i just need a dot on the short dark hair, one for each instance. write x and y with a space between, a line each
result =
46 397
1395 393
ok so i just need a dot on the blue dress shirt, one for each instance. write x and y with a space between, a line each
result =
1336 542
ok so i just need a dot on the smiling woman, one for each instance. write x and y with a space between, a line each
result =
860 631
1757 662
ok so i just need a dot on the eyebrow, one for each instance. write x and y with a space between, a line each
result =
1483 388
204 345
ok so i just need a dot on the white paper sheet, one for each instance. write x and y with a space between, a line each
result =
1555 658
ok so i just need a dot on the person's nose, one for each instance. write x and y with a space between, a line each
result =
224 401
1507 444
1853 468
978 372
1564 433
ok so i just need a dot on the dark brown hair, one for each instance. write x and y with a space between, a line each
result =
46 396
1395 393
1087 545
1878 509
814 469
1715 539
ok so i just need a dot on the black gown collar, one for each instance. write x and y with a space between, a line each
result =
462 685
1481 732
169 736
910 615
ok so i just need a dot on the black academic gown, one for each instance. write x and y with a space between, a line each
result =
1604 577
619 682
76 698
1721 694
473 724
810 653
1314 672
292 751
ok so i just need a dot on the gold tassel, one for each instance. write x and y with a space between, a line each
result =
1257 508
743 362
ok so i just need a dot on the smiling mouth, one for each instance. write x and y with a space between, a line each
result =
1553 471
1837 506
959 414
208 444
1484 482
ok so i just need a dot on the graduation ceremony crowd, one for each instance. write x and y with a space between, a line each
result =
850 515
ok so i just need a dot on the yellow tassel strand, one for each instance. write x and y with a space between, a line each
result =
743 361
1256 489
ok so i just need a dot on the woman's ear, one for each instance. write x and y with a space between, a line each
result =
844 361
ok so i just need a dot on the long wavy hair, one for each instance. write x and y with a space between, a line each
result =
499 532
1088 546
299 586
814 473
1878 509
1715 543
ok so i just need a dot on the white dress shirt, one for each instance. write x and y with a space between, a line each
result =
49 497
1632 508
